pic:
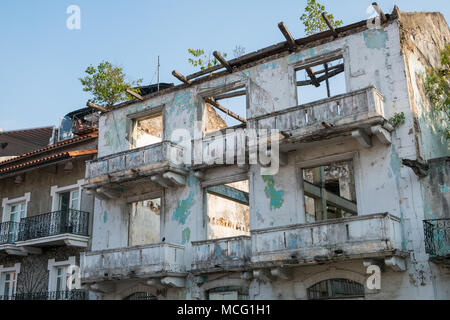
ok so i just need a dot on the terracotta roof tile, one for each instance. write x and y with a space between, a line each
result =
51 147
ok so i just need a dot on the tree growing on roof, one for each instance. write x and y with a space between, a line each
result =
203 60
312 18
108 84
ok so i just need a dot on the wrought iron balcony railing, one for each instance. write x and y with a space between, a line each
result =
53 295
437 237
9 232
54 223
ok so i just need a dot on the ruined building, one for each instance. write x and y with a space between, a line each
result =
45 214
347 202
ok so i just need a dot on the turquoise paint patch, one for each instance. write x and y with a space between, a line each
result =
444 188
185 236
105 216
276 196
296 57
294 242
375 39
182 210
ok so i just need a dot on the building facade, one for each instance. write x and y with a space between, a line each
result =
46 217
346 204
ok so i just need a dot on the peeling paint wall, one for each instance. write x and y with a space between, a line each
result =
374 57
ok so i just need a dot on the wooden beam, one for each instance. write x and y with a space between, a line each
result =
222 61
312 77
230 193
290 40
230 95
326 80
134 94
225 110
330 26
315 192
180 77
380 12
97 107
330 74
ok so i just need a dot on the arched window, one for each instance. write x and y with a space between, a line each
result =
141 296
336 289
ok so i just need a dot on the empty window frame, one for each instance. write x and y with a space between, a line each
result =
8 284
224 110
336 289
329 191
320 81
228 210
148 130
145 222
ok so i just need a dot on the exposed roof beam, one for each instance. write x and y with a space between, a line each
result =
225 110
312 77
290 40
180 77
134 94
330 26
97 107
222 61
380 12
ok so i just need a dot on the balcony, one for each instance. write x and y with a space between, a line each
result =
221 254
53 295
9 232
161 161
358 114
144 261
437 239
362 237
65 227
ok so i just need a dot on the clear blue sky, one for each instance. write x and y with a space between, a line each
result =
41 60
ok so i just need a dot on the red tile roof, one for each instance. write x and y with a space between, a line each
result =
51 147
52 158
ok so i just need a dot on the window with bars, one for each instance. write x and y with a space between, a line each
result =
336 289
141 296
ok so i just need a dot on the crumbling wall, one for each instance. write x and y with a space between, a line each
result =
423 36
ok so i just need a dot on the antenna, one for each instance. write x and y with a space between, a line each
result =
158 73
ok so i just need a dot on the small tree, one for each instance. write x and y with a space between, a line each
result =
107 84
312 18
203 60
437 88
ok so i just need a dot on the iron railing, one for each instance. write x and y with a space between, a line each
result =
437 237
54 223
9 232
53 295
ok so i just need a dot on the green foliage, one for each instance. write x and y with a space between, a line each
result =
107 84
397 119
201 59
312 18
437 87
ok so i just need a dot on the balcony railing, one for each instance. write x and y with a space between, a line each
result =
53 295
361 236
228 253
437 237
146 160
130 262
9 232
350 110
54 223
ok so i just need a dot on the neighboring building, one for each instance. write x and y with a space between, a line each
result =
343 202
46 217
16 142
